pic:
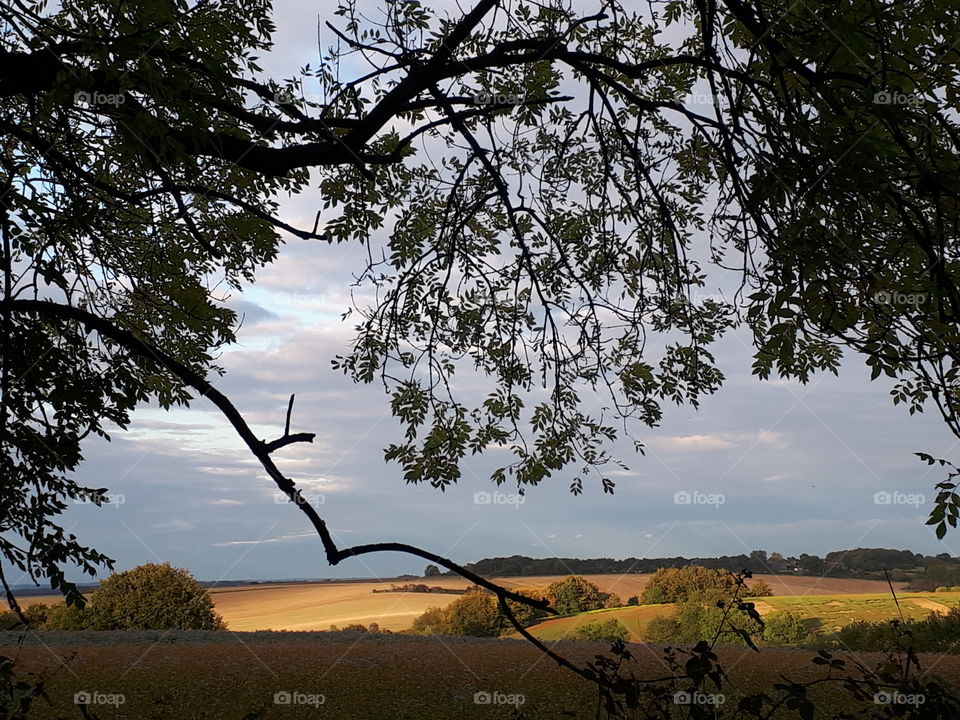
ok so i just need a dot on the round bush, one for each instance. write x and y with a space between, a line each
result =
153 597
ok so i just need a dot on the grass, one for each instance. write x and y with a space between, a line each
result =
826 613
634 618
836 611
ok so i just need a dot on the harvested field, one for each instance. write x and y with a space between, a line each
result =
211 676
317 606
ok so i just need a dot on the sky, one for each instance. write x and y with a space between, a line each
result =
772 465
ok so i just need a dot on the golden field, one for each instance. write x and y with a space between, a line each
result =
317 606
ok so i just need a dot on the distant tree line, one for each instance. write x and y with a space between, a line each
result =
861 562
420 588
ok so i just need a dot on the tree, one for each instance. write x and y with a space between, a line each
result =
527 614
603 631
67 617
431 571
153 597
669 585
612 600
434 621
474 613
701 617
574 594
811 564
785 627
759 588
142 155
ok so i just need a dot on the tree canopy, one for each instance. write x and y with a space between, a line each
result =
541 203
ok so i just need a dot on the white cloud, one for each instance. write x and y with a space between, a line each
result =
718 441
265 541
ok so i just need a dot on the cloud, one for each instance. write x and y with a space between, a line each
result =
718 441
691 442
265 541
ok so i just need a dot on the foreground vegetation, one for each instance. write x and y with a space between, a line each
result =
170 676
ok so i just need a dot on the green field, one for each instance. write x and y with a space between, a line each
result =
634 618
835 611
826 613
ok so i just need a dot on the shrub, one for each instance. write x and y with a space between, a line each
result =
575 594
612 600
527 614
475 613
938 632
8 620
64 617
699 618
36 613
758 588
153 597
677 584
606 631
633 600
661 630
785 627
355 627
433 622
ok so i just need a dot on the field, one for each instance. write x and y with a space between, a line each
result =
207 676
198 675
827 613
835 611
317 606
635 619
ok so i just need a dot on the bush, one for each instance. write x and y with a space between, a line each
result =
475 613
785 627
605 631
36 614
527 614
433 622
8 620
699 618
633 600
612 600
678 584
64 617
938 632
758 588
575 594
661 630
153 597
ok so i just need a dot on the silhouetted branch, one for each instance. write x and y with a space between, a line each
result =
260 449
